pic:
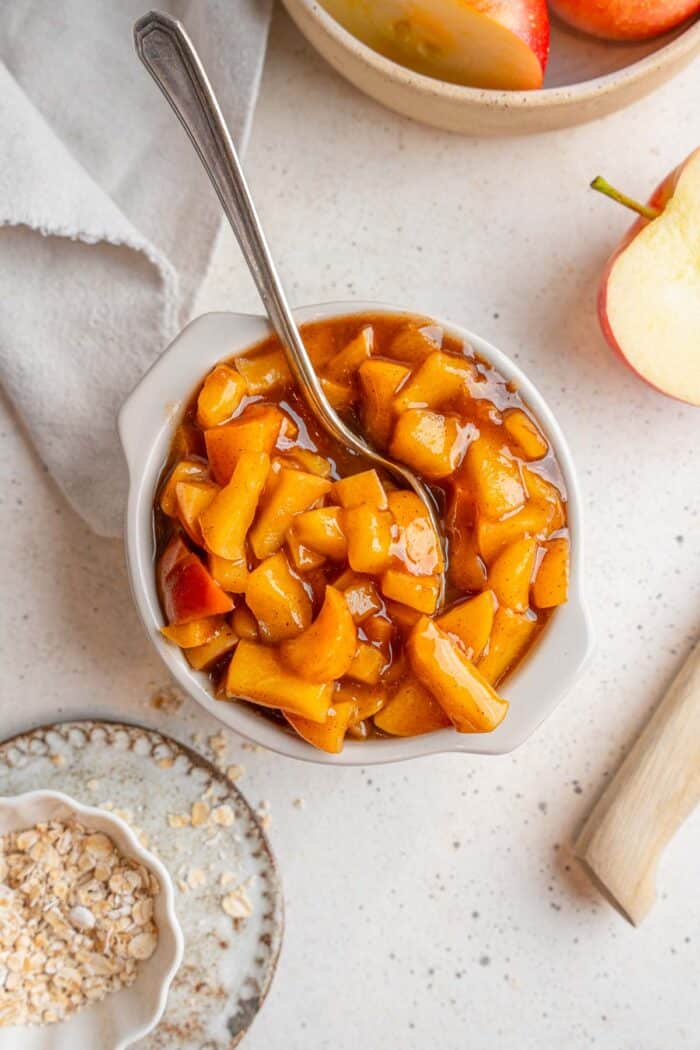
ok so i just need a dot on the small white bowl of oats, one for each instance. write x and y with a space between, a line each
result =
89 938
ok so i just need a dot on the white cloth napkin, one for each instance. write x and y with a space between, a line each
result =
107 220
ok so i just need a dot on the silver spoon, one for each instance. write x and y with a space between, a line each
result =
169 56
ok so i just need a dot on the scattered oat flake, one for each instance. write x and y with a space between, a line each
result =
235 772
167 699
197 877
200 814
299 803
179 820
166 763
247 746
223 815
93 785
236 904
58 760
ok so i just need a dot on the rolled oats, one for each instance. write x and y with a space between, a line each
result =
76 918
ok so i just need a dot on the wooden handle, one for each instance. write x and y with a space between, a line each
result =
656 788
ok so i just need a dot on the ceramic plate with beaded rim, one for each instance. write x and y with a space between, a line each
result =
149 778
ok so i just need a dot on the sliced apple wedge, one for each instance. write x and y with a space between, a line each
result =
500 44
649 301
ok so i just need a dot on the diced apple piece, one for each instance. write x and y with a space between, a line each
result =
340 395
411 711
329 736
360 594
420 592
380 631
321 530
221 394
379 381
367 664
471 622
431 443
465 570
188 591
227 519
231 575
195 633
495 478
346 363
325 650
369 535
548 495
511 635
303 558
403 616
416 545
293 492
492 536
525 434
368 699
359 489
193 498
266 372
203 656
440 379
277 599
256 673
188 442
464 694
413 343
551 586
305 459
244 623
256 430
184 470
511 574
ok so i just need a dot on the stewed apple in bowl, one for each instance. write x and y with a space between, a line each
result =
303 597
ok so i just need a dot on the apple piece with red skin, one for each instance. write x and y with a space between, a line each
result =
649 297
497 44
624 19
188 590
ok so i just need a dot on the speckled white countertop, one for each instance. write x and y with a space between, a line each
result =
435 904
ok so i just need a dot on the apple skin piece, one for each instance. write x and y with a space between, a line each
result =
624 19
188 591
257 673
500 44
649 297
440 665
325 650
329 736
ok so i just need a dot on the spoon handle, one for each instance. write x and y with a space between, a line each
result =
169 56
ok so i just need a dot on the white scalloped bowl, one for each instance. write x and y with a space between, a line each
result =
122 1017
147 423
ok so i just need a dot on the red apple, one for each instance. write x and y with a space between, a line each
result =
500 44
649 298
625 19
189 592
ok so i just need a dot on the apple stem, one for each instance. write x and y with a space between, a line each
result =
603 186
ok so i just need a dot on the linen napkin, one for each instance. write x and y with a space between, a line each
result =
107 220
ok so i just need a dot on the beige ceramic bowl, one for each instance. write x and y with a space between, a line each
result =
586 78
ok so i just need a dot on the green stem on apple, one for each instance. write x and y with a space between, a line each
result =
603 186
